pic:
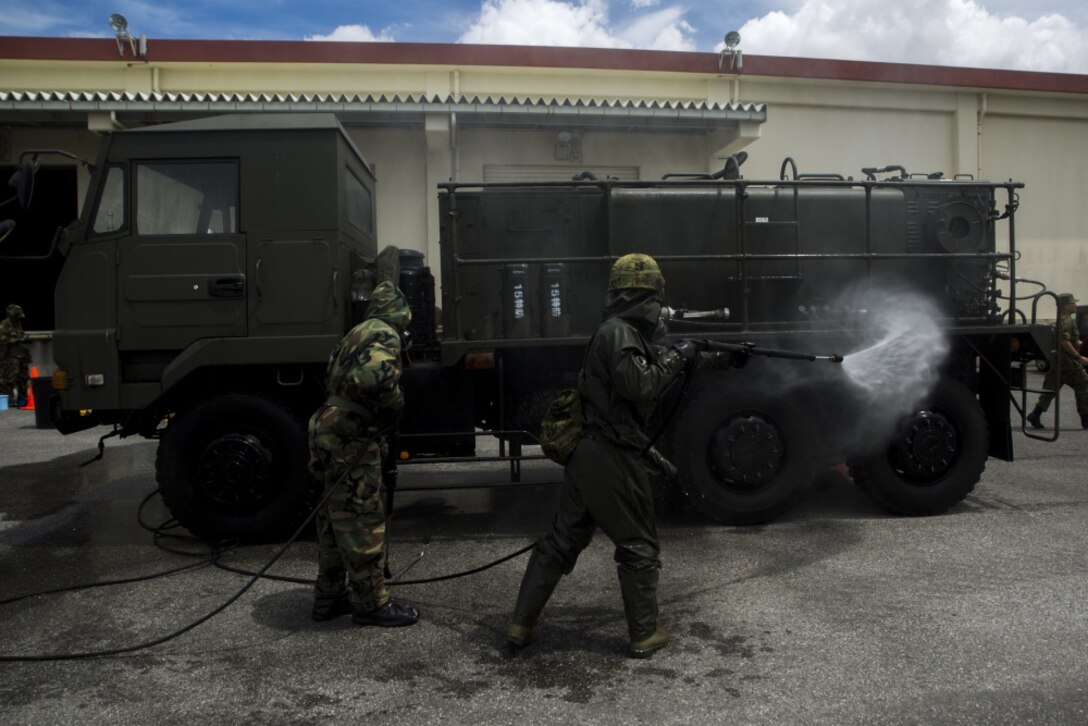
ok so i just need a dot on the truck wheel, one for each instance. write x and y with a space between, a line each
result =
743 456
936 457
235 467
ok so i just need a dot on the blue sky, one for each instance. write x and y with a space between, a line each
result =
1044 35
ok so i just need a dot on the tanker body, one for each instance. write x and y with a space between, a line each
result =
784 264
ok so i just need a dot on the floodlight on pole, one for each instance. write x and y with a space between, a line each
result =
736 60
119 25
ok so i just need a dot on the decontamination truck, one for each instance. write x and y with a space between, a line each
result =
217 262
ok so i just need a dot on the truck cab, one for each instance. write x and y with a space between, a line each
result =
210 254
202 289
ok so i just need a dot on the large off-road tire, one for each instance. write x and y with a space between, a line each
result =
935 457
743 455
234 466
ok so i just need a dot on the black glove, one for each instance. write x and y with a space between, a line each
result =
389 461
739 358
388 266
688 350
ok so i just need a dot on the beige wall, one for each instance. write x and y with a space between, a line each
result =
844 140
400 162
1050 155
653 154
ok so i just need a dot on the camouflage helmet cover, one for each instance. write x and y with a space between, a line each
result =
1067 298
15 312
636 271
387 303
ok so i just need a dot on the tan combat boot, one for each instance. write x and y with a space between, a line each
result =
518 636
648 646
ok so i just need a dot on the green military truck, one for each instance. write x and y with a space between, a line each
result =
217 262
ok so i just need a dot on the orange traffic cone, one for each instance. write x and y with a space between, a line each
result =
30 391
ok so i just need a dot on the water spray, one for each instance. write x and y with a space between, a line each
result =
904 349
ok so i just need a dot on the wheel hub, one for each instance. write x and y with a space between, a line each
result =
748 452
927 448
233 471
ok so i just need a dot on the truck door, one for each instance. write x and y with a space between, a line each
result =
182 271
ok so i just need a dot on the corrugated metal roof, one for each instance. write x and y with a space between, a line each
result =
408 102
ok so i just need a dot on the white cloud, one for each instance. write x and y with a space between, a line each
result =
355 34
543 22
938 32
663 29
578 23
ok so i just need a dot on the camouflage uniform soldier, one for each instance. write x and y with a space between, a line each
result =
1073 373
347 435
14 358
606 481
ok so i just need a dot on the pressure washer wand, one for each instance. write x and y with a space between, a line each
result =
753 349
389 479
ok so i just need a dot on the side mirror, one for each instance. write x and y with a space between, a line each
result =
22 181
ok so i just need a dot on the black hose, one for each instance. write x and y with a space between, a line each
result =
212 558
204 618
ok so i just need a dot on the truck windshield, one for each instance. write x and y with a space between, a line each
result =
187 198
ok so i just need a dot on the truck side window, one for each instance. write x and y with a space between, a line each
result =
187 198
358 203
110 216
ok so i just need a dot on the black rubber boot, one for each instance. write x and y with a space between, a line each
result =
390 615
328 608
541 576
1033 418
639 590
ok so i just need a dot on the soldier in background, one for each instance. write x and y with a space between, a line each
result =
14 358
606 481
1072 365
348 439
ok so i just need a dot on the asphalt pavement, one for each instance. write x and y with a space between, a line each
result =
838 613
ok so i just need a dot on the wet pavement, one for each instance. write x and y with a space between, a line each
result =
838 613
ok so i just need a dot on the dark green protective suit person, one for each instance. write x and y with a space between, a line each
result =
607 480
1072 365
14 358
347 444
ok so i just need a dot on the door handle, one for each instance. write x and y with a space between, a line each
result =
227 287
